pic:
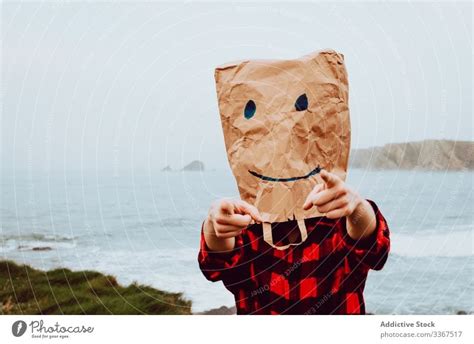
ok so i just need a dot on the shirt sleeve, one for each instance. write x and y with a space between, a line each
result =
371 252
215 265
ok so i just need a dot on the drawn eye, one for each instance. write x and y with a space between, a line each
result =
301 103
250 109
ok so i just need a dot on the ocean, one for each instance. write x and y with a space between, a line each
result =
145 228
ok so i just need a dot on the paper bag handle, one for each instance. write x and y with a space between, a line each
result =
268 236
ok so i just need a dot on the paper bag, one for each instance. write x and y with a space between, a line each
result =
284 121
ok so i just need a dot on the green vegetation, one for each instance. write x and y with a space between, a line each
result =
24 290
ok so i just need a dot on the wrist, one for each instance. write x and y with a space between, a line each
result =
361 223
213 242
358 206
208 228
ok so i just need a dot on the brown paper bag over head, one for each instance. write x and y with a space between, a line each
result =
284 121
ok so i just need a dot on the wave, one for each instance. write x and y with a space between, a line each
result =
445 242
177 222
449 244
36 241
39 237
432 229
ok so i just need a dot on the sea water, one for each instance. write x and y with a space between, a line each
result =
145 227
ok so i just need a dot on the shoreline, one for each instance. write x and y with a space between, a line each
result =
28 291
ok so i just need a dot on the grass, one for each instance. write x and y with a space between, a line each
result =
24 290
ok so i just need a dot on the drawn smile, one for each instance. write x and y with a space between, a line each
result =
290 179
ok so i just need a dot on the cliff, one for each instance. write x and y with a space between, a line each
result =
438 155
24 290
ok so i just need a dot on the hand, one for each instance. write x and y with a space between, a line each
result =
226 220
333 197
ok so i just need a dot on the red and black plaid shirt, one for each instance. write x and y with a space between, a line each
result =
324 275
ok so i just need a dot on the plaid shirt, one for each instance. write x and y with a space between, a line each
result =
324 275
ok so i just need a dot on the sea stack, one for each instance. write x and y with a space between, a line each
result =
195 165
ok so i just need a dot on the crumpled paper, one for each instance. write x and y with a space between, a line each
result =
283 121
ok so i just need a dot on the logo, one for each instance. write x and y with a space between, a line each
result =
19 328
40 330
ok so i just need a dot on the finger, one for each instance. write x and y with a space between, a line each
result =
318 188
330 178
234 220
337 213
226 207
324 197
308 203
250 210
332 205
227 228
228 234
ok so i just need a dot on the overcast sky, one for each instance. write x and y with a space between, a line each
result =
131 86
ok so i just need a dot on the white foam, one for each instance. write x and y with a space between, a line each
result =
34 240
450 244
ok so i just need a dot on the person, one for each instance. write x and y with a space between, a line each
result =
325 274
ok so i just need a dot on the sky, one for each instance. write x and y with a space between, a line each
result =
131 86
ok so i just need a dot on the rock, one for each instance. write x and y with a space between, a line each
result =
36 248
223 310
195 165
41 248
435 155
166 168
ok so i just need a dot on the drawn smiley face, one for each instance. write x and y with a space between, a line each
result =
301 104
